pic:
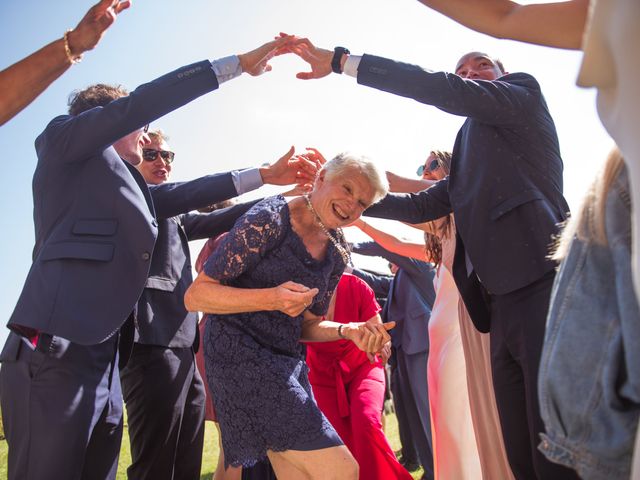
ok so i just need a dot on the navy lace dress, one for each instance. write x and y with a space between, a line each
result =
254 362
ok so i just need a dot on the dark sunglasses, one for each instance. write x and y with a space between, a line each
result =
433 165
151 154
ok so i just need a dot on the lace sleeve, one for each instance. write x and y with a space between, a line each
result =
254 234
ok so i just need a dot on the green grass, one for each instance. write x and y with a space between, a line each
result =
210 452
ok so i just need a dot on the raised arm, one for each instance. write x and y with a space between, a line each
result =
23 81
391 242
400 184
557 24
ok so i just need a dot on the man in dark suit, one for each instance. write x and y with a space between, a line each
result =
162 388
95 230
411 296
505 190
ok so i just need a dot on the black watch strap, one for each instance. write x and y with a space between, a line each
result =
337 57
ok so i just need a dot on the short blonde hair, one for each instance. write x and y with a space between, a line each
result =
341 163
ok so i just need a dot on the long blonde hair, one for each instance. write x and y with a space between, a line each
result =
589 222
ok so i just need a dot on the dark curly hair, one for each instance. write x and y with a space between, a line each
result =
97 95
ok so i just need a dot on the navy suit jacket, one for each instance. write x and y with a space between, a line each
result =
93 215
505 185
410 298
162 318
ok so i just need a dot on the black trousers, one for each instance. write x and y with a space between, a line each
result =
165 400
409 380
518 322
61 408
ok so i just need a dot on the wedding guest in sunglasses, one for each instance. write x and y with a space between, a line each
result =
96 224
162 389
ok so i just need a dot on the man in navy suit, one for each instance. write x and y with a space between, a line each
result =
409 302
505 190
162 388
95 230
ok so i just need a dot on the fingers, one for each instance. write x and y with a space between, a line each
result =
375 336
289 154
316 155
389 325
121 6
296 287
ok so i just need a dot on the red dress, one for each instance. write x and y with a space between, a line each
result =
350 390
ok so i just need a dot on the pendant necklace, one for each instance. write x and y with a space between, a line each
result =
344 253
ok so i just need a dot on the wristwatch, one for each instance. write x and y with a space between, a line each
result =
337 58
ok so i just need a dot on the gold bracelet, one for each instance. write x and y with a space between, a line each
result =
72 59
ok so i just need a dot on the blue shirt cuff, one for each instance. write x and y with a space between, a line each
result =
246 180
226 68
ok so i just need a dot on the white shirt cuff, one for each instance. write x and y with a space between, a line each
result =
351 65
226 68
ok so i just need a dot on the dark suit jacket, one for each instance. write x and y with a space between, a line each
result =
162 318
505 186
380 284
93 215
410 299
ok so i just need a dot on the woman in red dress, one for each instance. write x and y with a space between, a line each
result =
349 386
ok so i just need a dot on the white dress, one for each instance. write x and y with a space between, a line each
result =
455 453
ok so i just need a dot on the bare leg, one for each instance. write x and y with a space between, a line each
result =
334 463
231 473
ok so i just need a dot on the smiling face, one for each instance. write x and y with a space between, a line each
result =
341 199
433 169
156 171
478 66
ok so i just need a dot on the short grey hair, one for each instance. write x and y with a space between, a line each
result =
342 162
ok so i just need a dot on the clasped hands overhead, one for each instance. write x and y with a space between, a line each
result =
256 62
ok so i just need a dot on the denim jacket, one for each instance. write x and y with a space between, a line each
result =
589 381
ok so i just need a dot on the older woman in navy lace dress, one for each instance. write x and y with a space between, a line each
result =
267 287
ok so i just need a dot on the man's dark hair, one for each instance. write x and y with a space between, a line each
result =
97 95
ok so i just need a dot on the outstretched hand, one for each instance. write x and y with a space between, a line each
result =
290 168
318 59
90 29
256 62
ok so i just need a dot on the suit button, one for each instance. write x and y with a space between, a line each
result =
146 256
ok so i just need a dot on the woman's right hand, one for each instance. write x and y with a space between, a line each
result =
293 298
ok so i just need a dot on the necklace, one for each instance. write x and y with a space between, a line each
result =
344 253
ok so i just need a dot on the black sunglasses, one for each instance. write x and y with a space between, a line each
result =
151 154
433 165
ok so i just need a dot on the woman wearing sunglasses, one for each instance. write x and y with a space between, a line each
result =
467 440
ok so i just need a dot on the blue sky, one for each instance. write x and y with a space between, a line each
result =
252 120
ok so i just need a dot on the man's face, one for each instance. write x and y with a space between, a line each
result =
154 168
130 146
478 66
